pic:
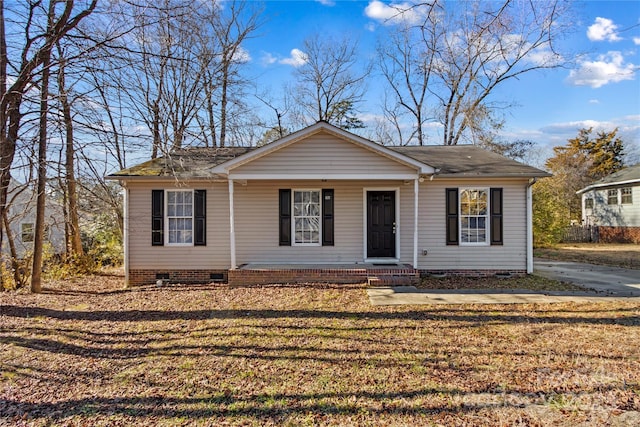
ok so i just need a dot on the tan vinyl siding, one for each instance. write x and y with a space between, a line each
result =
431 225
144 256
323 154
256 207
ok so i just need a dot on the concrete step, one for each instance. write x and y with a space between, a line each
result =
389 280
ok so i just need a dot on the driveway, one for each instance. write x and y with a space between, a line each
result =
610 281
600 283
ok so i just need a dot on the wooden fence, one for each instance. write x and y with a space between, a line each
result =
581 234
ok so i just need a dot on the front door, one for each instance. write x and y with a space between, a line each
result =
381 224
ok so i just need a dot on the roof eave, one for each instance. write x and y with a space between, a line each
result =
493 175
607 184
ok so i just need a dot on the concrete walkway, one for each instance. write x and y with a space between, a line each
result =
601 284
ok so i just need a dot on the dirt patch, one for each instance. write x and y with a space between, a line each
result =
615 255
87 352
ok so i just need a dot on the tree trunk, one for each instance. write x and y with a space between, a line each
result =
38 238
74 243
17 277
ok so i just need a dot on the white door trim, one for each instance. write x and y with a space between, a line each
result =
365 211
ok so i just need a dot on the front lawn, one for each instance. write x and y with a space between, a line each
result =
615 255
88 353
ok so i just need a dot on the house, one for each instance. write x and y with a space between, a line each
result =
323 204
21 215
613 205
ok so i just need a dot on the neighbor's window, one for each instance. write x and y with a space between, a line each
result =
306 217
612 197
588 203
180 217
26 232
626 197
474 211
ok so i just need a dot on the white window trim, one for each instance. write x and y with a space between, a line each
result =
293 217
487 231
33 232
617 197
166 217
630 195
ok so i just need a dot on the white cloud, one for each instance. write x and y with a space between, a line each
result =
370 27
268 59
241 55
297 58
393 13
594 101
327 2
636 41
603 29
608 68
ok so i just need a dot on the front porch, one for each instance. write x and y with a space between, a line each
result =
373 274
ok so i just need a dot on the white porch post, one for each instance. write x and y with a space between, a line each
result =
416 189
232 227
125 240
529 229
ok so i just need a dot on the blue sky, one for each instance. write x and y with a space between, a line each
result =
600 90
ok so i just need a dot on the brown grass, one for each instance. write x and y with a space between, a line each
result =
88 353
529 282
616 255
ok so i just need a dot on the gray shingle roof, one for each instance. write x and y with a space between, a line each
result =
187 163
628 175
468 161
462 161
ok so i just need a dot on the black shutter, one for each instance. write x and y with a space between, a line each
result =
200 217
157 217
285 217
496 216
452 216
327 217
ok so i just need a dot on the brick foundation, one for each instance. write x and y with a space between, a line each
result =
147 277
251 277
619 234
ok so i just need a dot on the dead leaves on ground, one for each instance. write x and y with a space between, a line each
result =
88 352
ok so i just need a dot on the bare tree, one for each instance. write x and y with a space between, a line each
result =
407 61
25 59
468 49
329 85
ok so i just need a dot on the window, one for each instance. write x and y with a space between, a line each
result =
588 203
306 217
626 197
179 217
612 197
474 210
26 232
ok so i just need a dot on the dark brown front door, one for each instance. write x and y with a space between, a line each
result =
381 224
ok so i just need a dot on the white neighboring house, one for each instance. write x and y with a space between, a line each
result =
614 202
22 219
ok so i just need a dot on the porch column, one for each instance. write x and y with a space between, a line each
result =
529 229
416 189
232 227
125 242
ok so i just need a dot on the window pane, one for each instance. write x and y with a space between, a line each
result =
306 213
179 217
626 196
474 209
